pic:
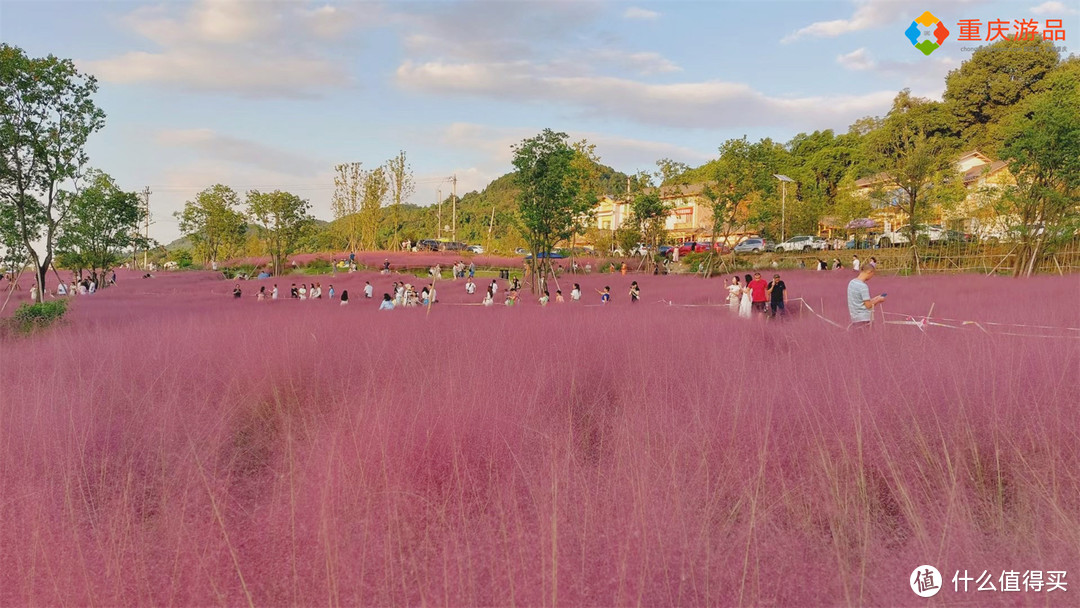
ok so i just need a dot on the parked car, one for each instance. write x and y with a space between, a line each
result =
475 249
428 245
665 250
693 247
955 236
899 236
803 243
552 255
860 244
453 246
521 251
754 245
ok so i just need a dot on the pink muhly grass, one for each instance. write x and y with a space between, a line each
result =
169 445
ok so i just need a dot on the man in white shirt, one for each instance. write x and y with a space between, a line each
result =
856 265
367 289
860 304
470 287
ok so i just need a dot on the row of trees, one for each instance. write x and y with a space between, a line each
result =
218 226
359 198
52 204
1016 101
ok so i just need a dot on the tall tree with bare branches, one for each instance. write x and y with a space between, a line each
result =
348 195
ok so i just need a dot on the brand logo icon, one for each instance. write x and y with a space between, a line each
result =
926 33
925 580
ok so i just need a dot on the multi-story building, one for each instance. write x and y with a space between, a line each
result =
689 218
975 214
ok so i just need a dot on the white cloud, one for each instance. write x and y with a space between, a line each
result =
858 60
644 63
706 104
868 14
640 14
210 144
1054 8
198 69
246 48
925 76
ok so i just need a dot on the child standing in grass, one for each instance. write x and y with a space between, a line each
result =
344 297
367 289
575 293
303 291
544 299
605 296
558 296
387 303
274 292
635 292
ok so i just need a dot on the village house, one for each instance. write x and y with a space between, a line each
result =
982 177
690 216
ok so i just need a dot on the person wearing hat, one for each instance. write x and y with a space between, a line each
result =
777 296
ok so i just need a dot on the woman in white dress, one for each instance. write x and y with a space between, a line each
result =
744 304
734 293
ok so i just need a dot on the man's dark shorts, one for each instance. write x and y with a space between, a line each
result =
759 307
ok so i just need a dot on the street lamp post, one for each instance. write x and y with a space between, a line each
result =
783 204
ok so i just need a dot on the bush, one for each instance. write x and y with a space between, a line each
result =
318 266
29 317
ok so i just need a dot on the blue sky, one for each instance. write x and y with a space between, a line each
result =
262 94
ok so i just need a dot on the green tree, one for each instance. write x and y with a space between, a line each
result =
402 185
669 171
987 86
648 212
349 181
914 153
549 200
736 181
375 188
213 223
101 223
46 116
1042 146
281 218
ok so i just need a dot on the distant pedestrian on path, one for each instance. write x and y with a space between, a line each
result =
856 265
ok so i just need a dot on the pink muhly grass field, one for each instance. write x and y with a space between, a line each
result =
171 445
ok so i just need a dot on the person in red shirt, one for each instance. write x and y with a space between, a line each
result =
758 293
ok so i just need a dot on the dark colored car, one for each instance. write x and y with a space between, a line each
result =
453 246
665 250
554 255
955 236
428 245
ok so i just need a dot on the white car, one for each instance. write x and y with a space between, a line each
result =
803 243
475 249
899 236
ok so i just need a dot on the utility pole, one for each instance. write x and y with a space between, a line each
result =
491 225
146 246
438 199
454 180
